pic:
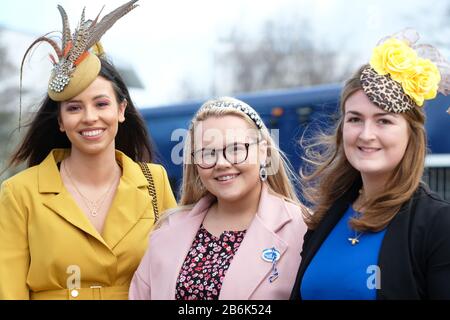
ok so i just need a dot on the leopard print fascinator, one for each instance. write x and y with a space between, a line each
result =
402 74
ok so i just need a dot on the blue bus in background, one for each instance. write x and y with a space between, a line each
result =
295 112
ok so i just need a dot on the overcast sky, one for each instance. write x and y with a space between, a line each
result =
167 41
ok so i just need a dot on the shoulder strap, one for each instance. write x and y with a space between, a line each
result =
151 188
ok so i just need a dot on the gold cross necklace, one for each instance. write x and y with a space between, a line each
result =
355 239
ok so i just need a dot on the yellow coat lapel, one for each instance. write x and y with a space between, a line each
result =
64 205
131 193
130 203
62 202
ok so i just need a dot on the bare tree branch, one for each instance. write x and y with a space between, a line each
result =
284 55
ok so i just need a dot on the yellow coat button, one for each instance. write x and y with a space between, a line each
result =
74 293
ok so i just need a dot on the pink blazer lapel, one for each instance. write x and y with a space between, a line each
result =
176 239
248 269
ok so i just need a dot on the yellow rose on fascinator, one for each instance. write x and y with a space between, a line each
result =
422 82
394 57
403 73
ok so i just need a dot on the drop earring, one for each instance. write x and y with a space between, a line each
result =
263 173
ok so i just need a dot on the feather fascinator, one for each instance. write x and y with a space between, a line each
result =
75 61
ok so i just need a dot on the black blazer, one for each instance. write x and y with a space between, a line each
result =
414 257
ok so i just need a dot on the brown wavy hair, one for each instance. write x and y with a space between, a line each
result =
328 175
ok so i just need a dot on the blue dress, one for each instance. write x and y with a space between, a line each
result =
342 271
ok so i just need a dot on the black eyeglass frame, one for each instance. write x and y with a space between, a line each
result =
246 144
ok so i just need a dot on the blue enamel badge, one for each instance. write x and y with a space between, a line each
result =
270 255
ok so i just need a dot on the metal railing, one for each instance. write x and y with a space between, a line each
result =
437 174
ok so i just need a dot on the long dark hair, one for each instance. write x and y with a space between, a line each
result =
44 135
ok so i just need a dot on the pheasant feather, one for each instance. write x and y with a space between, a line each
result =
58 52
75 47
66 36
99 29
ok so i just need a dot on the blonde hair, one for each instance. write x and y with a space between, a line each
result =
192 189
328 175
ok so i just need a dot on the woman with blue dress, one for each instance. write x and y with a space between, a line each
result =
377 231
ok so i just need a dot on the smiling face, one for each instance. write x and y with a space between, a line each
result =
227 181
90 120
374 140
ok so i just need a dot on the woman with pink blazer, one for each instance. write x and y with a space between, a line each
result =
237 233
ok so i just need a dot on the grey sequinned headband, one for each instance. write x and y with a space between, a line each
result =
235 104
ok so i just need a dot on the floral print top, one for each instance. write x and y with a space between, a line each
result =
206 263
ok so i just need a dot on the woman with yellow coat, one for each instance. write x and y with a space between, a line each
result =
75 224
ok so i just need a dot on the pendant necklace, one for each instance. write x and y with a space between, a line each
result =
357 234
93 206
355 240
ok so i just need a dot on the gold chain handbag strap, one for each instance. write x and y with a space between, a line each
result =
151 188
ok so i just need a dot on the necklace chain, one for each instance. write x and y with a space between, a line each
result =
93 206
357 234
355 240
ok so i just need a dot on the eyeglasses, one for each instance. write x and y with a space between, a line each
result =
234 153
